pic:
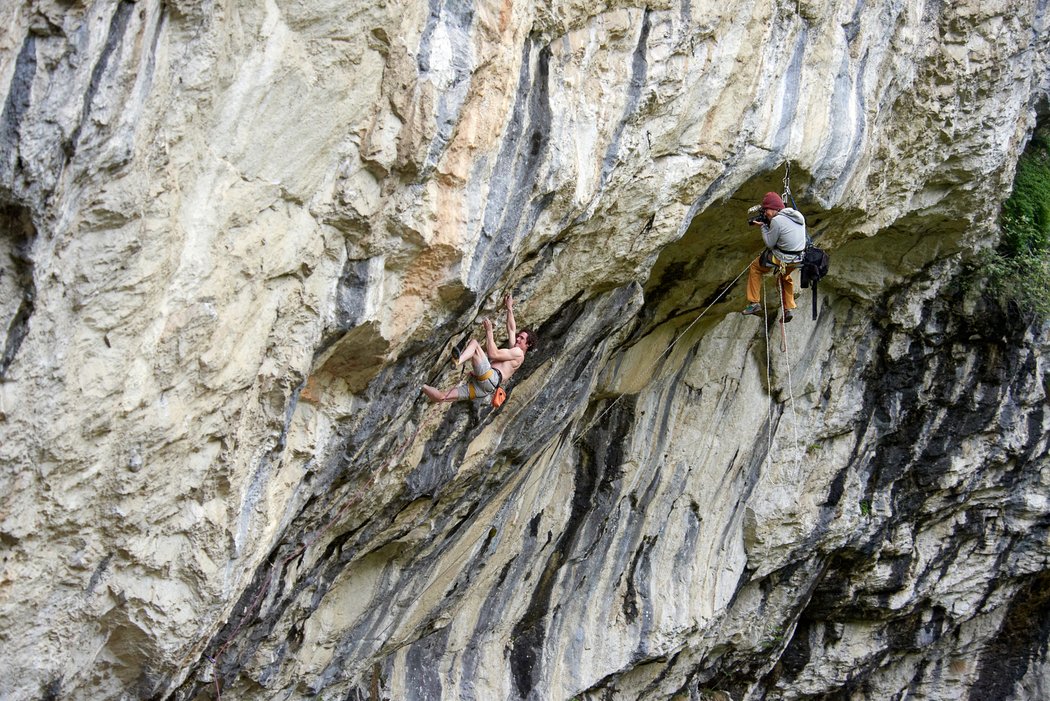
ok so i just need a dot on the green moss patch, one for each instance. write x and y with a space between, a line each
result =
1019 269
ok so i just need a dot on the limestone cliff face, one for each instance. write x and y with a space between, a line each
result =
237 237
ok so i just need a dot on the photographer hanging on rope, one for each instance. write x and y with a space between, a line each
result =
784 233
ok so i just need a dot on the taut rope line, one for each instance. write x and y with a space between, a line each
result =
791 391
666 351
769 381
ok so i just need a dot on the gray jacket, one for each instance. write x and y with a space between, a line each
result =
786 235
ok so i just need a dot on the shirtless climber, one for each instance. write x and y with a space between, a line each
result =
784 233
489 367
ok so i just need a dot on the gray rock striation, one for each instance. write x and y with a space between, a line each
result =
235 239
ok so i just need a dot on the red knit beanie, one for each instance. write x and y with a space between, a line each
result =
772 201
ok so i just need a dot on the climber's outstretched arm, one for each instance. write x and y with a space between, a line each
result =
512 327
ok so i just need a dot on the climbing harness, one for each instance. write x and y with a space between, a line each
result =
474 385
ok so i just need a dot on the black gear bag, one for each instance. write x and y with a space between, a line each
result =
814 266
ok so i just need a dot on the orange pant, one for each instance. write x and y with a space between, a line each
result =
786 284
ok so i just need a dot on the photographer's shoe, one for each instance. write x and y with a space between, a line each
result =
753 308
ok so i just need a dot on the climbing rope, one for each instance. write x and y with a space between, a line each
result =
787 185
791 391
356 496
442 572
769 377
440 575
536 475
666 351
769 381
530 478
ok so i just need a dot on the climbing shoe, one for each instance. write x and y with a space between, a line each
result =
457 350
789 314
753 308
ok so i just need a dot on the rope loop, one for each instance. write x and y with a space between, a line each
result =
787 196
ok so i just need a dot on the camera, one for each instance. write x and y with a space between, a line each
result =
755 215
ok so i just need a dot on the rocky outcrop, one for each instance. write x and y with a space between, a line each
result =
237 238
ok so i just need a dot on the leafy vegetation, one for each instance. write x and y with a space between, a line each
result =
1019 269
